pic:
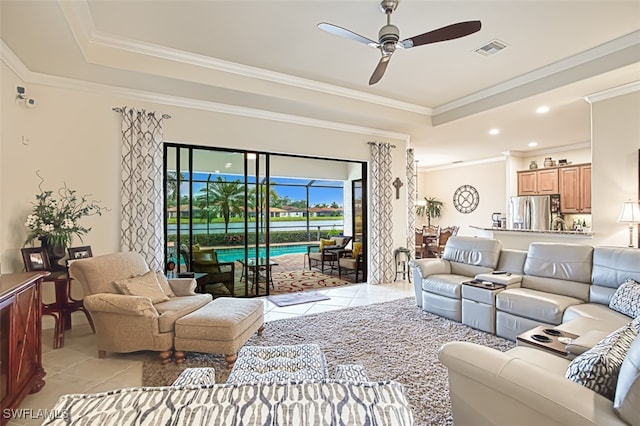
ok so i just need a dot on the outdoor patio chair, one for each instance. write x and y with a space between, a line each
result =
326 252
217 272
352 261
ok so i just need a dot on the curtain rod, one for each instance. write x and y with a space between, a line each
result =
380 143
118 109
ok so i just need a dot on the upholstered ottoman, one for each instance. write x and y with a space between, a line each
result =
196 377
221 326
285 363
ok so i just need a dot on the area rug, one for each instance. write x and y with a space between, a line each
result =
292 281
393 341
297 298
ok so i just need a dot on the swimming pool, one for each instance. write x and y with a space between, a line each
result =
233 254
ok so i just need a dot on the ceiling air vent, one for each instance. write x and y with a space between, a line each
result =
490 48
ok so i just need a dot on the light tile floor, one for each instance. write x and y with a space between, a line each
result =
75 368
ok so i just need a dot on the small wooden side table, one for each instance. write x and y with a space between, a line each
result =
62 308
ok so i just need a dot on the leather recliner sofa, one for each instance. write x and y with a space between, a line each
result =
438 282
563 285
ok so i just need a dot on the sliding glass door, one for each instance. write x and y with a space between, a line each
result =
231 215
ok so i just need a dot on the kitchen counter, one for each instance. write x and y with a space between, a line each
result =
534 231
521 238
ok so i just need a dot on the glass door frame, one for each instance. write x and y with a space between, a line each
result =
262 206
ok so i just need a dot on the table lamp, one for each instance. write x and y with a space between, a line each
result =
630 214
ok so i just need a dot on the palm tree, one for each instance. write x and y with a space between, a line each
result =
261 196
221 198
173 180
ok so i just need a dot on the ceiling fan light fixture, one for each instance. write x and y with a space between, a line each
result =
389 36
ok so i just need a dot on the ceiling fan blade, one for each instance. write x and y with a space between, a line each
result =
342 32
449 32
380 69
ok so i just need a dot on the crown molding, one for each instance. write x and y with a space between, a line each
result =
613 92
13 62
463 164
597 52
543 151
82 26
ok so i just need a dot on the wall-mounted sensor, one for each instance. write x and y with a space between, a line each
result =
21 98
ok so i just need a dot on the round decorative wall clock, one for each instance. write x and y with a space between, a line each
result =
466 199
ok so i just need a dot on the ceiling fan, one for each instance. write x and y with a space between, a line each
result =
389 37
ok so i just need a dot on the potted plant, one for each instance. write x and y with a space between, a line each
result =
54 220
431 208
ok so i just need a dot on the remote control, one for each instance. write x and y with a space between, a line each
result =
499 272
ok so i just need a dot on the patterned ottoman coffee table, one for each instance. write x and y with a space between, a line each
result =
285 363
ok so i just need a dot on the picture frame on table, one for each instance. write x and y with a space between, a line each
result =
81 252
35 259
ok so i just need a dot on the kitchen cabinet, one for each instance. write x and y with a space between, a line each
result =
575 189
21 369
538 182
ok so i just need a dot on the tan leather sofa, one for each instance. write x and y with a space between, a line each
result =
127 323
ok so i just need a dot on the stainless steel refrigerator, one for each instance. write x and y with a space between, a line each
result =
532 212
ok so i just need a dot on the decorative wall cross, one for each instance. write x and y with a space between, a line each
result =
398 184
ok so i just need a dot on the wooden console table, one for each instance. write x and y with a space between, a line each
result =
21 369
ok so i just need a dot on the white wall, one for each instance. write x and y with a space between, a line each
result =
74 137
616 140
614 158
441 183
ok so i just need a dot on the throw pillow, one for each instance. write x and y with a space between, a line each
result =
626 299
356 249
326 243
146 285
628 388
164 284
598 368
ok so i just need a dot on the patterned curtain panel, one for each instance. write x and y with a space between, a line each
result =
381 247
411 200
142 230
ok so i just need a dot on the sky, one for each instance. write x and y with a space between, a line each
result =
318 194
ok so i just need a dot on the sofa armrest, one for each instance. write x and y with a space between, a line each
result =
514 391
183 286
586 341
431 266
120 304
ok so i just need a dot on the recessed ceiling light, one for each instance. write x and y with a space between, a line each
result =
228 165
216 171
494 132
542 109
533 143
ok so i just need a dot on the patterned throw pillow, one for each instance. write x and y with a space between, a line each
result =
146 285
326 243
598 368
626 299
355 251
